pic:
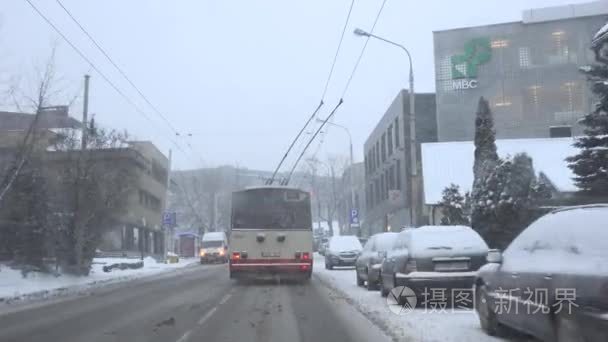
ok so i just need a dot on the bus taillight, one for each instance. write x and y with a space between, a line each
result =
236 255
305 256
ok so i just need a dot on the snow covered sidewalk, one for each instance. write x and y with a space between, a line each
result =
419 325
15 288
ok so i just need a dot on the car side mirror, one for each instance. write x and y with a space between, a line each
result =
494 256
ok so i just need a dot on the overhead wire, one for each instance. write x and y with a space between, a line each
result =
94 67
123 73
352 74
321 103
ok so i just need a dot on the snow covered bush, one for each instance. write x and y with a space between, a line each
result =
454 206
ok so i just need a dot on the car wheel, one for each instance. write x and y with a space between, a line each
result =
359 280
566 329
371 285
487 316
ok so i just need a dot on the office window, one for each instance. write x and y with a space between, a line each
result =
377 154
397 133
382 187
391 178
386 187
398 174
390 140
376 191
383 147
560 131
524 57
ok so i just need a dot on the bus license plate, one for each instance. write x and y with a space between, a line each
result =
270 254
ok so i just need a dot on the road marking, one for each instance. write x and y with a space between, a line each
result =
206 317
185 336
225 298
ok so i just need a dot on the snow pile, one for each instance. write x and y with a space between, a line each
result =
13 287
419 325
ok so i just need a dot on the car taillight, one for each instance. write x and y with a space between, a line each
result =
236 255
305 256
410 266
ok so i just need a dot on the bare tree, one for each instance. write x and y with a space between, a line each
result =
91 189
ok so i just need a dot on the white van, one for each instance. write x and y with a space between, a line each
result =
214 247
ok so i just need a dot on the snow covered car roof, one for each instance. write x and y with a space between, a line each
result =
214 236
445 163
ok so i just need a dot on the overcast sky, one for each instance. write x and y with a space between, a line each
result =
240 76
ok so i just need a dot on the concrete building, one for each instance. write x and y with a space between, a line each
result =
137 227
347 188
528 70
387 185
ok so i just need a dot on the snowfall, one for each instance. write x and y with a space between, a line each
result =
417 325
16 288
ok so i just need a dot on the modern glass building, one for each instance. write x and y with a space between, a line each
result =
528 70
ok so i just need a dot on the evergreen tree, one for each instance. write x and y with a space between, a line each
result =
508 201
486 157
590 166
454 206
486 160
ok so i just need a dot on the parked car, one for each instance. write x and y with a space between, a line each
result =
368 263
564 257
342 251
433 257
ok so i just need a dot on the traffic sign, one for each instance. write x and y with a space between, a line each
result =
170 218
354 217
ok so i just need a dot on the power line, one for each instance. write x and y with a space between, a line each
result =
105 78
352 74
333 64
115 65
331 71
311 140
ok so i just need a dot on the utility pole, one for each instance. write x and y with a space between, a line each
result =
85 113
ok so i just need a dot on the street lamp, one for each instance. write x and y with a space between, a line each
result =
412 114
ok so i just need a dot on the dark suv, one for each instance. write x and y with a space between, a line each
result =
552 280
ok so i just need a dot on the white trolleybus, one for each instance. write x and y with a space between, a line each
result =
271 233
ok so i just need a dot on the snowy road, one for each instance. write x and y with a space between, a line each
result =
200 303
195 304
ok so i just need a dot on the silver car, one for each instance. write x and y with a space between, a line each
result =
369 262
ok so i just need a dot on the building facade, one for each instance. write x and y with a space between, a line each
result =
528 71
352 196
388 189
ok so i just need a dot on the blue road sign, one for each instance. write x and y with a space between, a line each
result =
170 218
354 217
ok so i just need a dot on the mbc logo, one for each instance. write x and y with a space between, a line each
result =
464 84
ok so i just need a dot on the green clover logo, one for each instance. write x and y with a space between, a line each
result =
476 52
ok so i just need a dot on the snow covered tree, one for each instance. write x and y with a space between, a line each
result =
486 157
454 206
508 200
485 162
590 165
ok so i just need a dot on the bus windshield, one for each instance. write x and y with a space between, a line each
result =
271 209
